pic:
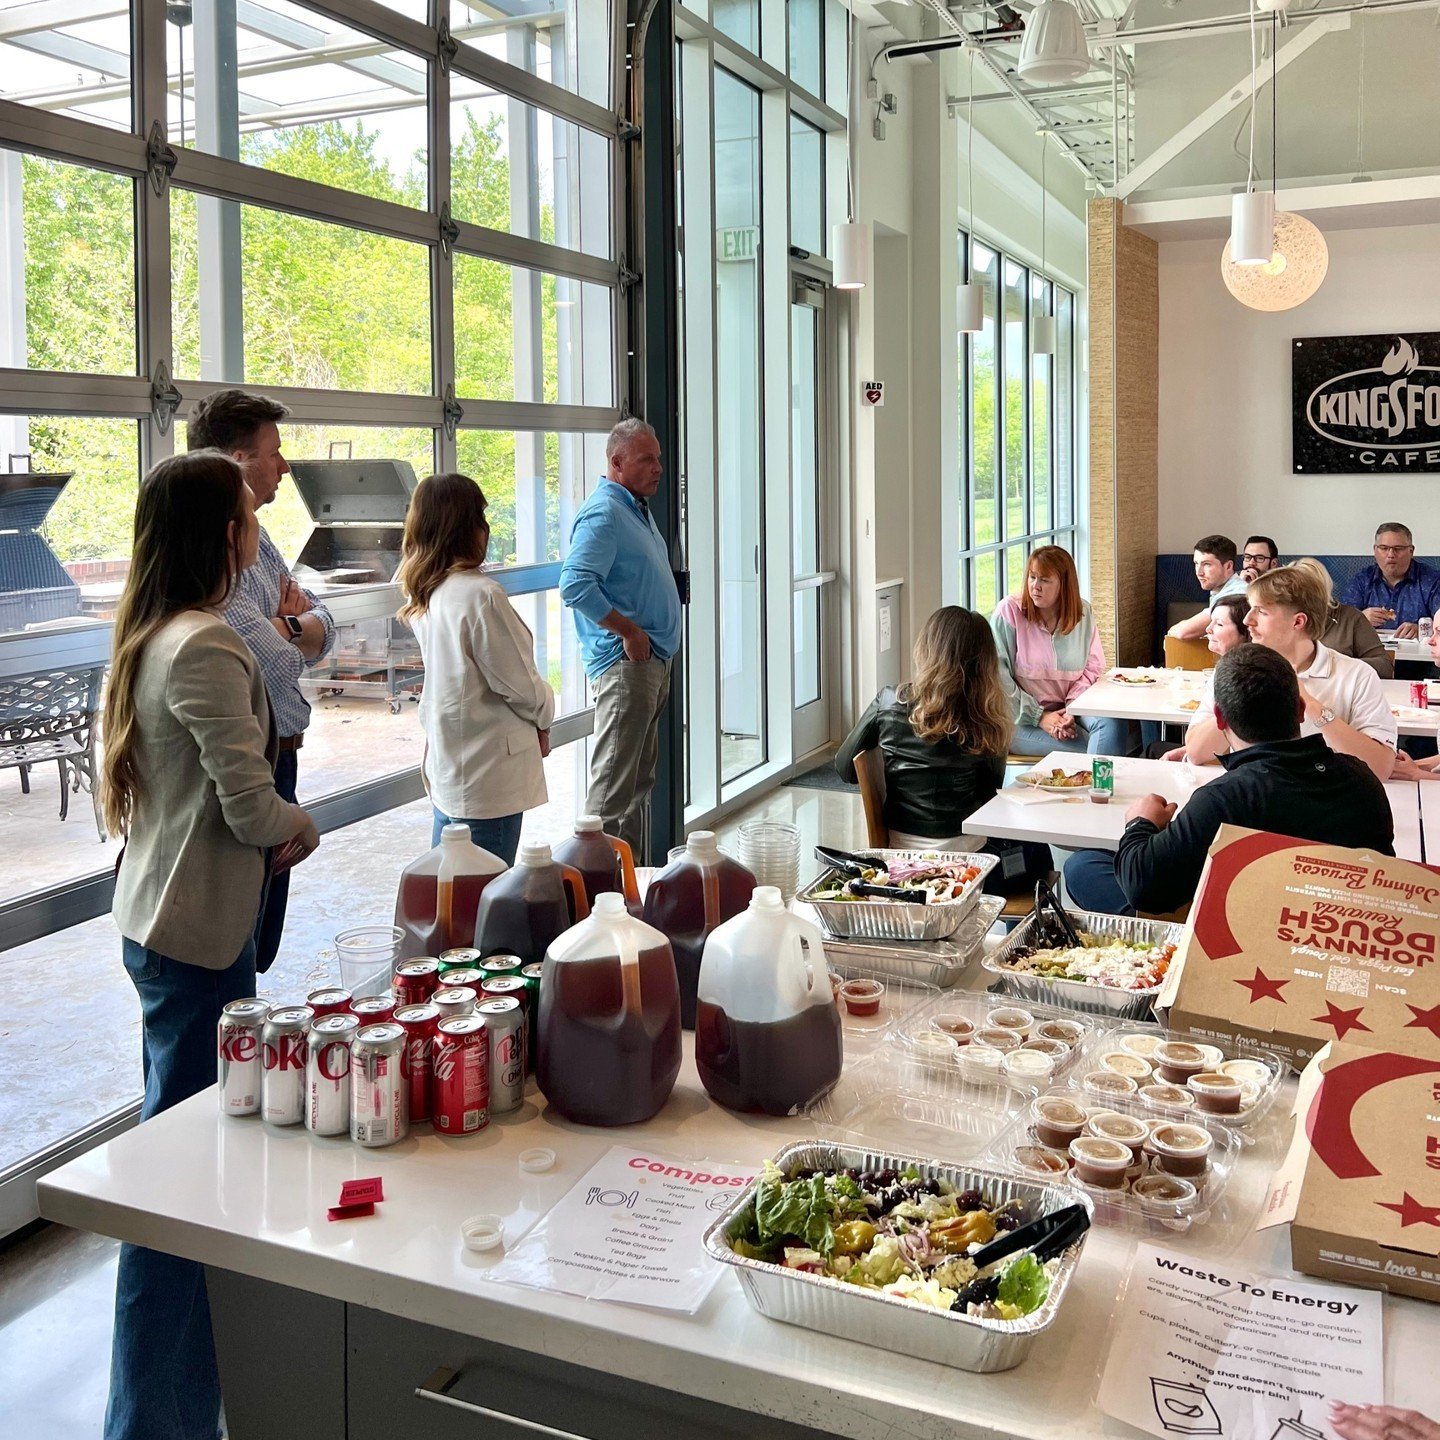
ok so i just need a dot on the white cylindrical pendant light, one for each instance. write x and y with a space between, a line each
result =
1054 48
1252 227
969 309
851 249
1042 329
1291 275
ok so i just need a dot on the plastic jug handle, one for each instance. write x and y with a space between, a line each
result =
631 1002
575 883
807 955
627 868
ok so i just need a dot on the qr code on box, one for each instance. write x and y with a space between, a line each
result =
1341 980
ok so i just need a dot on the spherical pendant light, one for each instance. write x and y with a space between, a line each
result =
1294 272
1054 49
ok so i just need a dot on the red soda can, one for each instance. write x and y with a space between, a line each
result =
505 1025
373 1009
469 979
462 1075
419 1022
237 1056
1418 694
504 987
379 1092
327 1074
330 1001
415 981
283 1052
454 1000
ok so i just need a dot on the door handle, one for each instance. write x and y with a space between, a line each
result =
436 1389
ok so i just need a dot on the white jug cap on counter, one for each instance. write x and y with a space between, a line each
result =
482 1232
537 1161
534 852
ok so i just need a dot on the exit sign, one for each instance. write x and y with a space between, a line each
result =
739 242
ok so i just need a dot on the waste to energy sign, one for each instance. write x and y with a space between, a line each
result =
1366 402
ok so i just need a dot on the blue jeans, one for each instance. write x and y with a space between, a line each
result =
163 1380
270 923
1091 884
1095 735
500 836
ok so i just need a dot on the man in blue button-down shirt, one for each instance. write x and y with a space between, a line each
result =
1398 590
618 581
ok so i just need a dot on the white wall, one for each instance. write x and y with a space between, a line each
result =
1225 397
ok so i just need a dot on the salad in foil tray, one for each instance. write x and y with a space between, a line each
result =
1097 960
943 879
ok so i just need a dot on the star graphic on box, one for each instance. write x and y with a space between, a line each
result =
1344 1021
1412 1212
1262 987
1426 1019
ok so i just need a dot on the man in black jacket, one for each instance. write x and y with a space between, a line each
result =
1274 780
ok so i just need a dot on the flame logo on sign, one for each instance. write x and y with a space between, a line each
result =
1392 406
1402 359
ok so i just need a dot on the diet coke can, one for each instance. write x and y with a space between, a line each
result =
1417 694
415 981
327 1074
462 1075
505 1025
283 1050
462 957
330 1001
237 1056
454 1000
470 979
1426 628
504 987
373 1009
419 1022
379 1093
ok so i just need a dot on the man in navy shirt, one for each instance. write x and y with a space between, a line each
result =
1398 590
618 581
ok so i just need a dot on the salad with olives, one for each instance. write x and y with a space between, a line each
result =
896 1232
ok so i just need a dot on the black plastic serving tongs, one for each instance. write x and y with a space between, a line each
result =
1046 900
855 867
843 860
1045 1238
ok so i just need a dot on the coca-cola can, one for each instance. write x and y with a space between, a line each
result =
419 1022
504 987
373 1009
327 1074
454 1000
506 1027
283 1051
330 1001
462 1075
1418 694
470 978
462 957
414 982
237 1056
379 1093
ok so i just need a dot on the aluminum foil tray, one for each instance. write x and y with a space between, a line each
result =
886 1322
1075 994
893 920
940 963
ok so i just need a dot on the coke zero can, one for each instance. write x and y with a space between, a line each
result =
330 1001
470 978
237 1056
379 1093
283 1051
462 1075
505 1026
415 981
462 957
327 1074
454 1000
504 987
373 1009
419 1022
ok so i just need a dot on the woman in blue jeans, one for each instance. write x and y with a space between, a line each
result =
188 782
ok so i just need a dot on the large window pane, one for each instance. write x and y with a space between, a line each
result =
527 335
70 60
270 299
987 581
806 45
67 265
983 395
1041 371
1064 407
738 370
1016 352
567 44
740 20
807 647
805 494
287 89
837 19
1015 568
807 186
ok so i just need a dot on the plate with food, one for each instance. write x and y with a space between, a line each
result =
1056 779
1133 677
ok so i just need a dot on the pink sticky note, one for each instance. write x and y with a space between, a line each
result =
357 1192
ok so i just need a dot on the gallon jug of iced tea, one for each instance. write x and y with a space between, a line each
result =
440 893
609 1028
767 1030
523 910
604 862
694 893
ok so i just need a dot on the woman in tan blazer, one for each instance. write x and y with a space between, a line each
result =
188 783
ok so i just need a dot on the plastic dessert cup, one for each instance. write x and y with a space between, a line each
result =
1178 1060
1028 1067
1012 1018
1181 1149
1214 1055
862 997
1056 1049
933 1047
1108 1085
1067 1032
837 983
1166 1197
1102 1163
960 1028
1141 1045
1164 1096
1255 1071
1125 1129
980 1060
1122 1062
997 1039
1057 1120
1215 1093
1042 1164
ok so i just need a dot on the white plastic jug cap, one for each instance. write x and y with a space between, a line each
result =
588 824
767 897
701 842
482 1232
535 852
537 1161
454 833
609 902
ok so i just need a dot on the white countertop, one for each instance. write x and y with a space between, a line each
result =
243 1196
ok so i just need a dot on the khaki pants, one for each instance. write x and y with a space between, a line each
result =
629 699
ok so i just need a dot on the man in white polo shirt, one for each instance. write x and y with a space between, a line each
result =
1342 696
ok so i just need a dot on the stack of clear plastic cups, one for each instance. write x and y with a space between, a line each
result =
367 955
770 850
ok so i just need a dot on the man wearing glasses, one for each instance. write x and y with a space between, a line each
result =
1258 556
1398 590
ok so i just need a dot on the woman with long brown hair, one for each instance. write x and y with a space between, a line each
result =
485 709
188 781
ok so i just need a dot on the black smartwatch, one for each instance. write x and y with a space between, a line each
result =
293 625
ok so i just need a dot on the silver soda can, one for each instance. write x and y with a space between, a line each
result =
505 1024
327 1074
379 1090
454 1000
1426 627
237 1056
283 1050
471 978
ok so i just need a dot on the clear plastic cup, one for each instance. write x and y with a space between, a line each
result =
367 954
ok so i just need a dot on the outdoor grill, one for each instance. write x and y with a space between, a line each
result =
357 509
34 586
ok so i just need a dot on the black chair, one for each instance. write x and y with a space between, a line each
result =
51 716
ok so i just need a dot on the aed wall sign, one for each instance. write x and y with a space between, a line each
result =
1366 402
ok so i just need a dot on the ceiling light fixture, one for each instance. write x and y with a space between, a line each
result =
1054 49
969 297
850 240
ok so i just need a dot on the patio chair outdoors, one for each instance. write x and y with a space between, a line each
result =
52 716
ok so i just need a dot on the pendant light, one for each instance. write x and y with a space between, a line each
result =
1042 326
850 240
970 297
1054 49
1252 212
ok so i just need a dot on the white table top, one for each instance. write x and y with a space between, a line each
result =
1408 719
1417 650
1075 822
